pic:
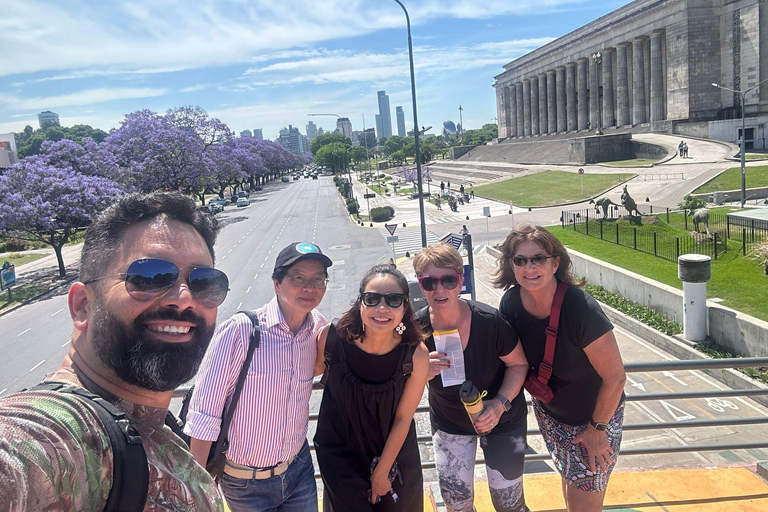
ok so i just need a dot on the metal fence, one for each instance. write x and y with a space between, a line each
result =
651 242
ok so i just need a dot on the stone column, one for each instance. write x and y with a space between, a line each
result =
535 105
572 119
527 107
657 78
622 86
560 99
551 102
594 93
582 65
543 125
609 119
509 99
519 110
638 82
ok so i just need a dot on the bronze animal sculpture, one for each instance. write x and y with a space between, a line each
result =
701 216
628 203
604 203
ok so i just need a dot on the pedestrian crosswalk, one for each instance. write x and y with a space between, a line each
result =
409 239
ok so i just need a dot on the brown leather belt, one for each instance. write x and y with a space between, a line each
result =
250 473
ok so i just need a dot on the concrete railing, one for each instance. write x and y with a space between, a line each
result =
738 333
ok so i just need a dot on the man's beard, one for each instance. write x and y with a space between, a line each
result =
129 351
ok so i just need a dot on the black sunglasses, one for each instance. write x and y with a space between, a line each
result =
429 283
373 299
537 260
148 278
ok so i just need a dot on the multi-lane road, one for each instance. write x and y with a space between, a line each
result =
35 338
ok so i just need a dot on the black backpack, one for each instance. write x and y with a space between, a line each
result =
130 474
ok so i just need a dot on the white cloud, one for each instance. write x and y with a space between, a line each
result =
85 97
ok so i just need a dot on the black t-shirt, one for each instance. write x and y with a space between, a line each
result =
490 337
574 381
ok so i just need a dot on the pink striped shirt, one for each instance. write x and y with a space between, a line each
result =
270 422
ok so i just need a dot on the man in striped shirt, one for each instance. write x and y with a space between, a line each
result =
268 465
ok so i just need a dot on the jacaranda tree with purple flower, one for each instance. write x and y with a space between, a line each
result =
44 203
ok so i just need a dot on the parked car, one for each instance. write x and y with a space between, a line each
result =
243 201
256 188
216 207
219 204
314 175
243 194
205 208
285 178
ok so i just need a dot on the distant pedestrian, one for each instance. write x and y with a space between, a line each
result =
449 186
464 231
471 191
685 150
438 203
442 187
461 190
680 149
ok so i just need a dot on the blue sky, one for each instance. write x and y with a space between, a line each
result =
267 63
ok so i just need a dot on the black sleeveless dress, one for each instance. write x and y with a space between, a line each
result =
357 411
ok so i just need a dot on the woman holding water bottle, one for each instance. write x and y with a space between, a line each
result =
484 350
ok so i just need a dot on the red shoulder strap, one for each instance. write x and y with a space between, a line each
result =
545 368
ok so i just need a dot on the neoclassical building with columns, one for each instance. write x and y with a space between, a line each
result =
651 62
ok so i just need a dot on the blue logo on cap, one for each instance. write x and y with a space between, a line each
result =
305 248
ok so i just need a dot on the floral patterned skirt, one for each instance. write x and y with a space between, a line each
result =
571 460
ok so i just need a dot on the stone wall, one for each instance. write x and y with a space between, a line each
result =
459 151
600 148
693 129
644 150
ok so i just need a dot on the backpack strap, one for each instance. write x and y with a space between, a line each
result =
545 368
330 346
130 473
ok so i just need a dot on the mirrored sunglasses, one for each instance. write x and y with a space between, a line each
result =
148 278
429 283
373 299
537 260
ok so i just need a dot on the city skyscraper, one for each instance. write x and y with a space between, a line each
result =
379 129
311 131
258 133
344 126
246 133
386 115
400 121
292 139
48 118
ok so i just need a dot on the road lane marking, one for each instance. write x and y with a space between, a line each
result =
3 391
59 311
229 251
672 376
239 306
38 364
248 290
67 343
636 384
257 275
22 332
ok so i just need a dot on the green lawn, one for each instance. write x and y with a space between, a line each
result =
730 179
635 162
550 187
741 282
18 259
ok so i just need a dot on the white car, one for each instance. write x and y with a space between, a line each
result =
243 201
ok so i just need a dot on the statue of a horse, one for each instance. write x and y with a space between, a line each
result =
701 216
628 203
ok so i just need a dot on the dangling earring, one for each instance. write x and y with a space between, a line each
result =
400 328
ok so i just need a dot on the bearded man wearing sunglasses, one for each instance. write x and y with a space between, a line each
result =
268 463
144 311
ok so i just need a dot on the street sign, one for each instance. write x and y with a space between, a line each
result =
369 196
393 239
581 171
486 211
391 228
467 286
7 276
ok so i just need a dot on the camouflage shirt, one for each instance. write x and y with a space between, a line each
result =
55 456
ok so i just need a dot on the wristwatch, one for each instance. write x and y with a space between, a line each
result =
506 403
598 426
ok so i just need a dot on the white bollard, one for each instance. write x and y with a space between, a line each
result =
694 270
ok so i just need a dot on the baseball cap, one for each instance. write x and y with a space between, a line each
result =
300 251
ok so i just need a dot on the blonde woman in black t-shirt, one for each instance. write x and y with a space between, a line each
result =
494 362
582 424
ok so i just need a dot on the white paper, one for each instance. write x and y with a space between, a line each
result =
450 343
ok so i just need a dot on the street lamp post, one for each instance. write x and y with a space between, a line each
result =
597 58
415 128
742 146
346 155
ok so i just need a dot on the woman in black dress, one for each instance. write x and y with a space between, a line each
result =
376 367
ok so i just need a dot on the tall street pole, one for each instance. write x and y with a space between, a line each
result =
742 146
415 129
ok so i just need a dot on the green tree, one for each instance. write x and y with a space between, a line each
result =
334 155
691 203
328 138
483 135
359 154
394 143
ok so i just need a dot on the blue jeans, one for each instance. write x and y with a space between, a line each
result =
293 491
